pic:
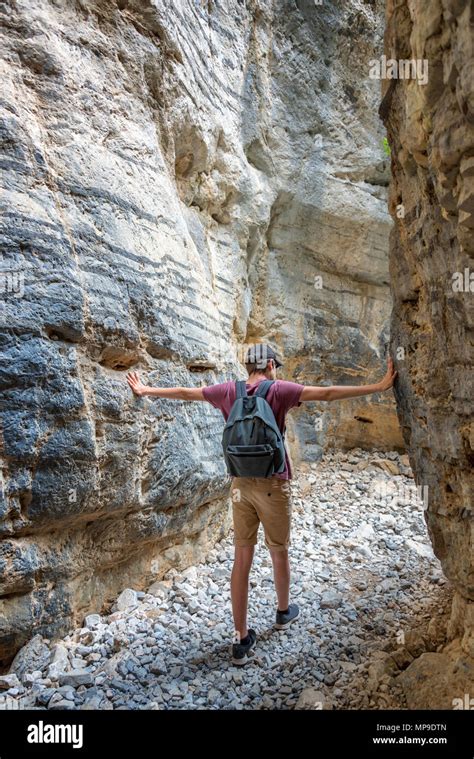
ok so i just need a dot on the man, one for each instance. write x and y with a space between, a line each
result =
265 500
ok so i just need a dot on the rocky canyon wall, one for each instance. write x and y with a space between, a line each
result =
431 131
178 175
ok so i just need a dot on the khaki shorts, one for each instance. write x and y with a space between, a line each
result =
265 500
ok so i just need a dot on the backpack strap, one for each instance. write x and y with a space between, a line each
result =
263 388
240 389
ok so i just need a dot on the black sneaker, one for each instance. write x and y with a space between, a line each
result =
283 621
241 652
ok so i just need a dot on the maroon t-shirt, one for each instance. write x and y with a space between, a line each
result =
282 396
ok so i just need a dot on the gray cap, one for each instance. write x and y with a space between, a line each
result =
260 353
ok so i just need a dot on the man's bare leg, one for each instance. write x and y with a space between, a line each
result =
239 587
281 574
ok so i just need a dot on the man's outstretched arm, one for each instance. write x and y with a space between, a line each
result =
337 392
175 393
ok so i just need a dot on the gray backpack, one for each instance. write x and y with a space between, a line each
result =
252 442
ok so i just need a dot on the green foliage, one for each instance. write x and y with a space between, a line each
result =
386 146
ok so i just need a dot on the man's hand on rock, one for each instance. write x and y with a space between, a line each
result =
135 383
390 376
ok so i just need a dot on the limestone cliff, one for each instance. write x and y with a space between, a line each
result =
431 131
178 176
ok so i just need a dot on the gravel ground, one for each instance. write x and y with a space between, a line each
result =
363 574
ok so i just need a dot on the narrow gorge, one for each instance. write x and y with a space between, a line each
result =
182 179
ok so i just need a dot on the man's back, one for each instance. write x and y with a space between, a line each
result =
281 396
